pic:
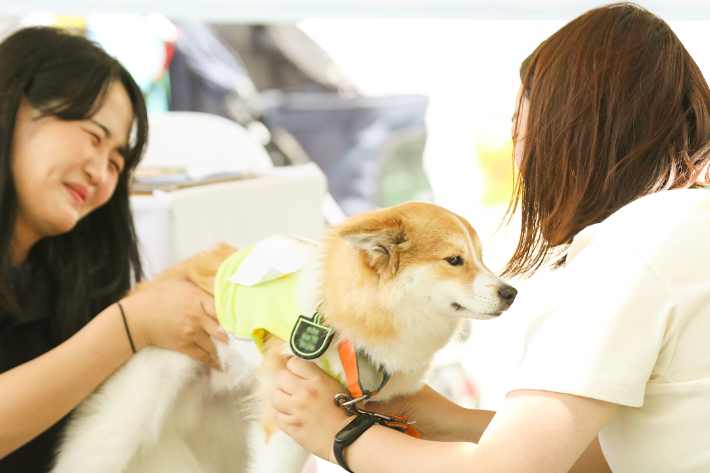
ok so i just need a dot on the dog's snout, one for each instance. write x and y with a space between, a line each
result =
507 293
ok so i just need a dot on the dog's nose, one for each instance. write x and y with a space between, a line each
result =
507 293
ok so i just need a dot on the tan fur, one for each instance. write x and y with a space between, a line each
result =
410 234
413 234
386 283
201 268
359 282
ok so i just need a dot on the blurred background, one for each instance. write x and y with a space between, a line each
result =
393 100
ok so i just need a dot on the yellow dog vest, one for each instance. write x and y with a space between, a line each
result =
252 311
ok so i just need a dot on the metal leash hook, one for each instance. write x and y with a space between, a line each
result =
344 401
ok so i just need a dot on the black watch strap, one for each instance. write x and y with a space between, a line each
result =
349 434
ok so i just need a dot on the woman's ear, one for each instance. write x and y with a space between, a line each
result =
380 237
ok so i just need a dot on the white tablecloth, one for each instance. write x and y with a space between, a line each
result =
172 226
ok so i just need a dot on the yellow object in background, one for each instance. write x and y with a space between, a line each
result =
496 162
72 23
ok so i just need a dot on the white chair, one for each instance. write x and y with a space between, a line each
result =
173 225
204 144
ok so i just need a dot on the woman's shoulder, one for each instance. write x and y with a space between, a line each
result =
662 208
665 229
656 217
671 200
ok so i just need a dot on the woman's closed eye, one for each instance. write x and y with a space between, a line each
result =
95 137
117 160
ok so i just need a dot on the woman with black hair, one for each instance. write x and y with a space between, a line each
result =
73 126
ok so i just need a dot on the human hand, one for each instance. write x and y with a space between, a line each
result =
435 416
304 408
175 314
422 407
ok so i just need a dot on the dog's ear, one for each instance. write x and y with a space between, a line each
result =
379 240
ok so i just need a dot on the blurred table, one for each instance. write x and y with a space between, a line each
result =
174 225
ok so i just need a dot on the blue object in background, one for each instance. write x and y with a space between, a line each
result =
369 147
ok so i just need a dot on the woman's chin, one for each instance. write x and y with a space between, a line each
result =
62 225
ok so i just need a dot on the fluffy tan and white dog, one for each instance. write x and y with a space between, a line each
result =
395 282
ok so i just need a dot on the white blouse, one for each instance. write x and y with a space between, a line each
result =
631 325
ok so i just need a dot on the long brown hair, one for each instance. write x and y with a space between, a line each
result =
617 110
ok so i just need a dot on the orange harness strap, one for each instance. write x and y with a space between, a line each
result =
348 358
400 423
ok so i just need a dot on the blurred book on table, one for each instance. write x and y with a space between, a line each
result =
165 178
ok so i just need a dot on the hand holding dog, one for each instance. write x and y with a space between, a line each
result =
304 408
436 417
175 314
303 401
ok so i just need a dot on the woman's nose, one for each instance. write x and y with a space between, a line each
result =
96 167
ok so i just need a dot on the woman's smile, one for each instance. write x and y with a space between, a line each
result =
78 192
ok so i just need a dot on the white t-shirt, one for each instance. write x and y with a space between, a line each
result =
631 325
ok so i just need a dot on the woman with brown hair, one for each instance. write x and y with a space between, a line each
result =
612 140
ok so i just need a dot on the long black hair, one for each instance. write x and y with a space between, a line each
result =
90 267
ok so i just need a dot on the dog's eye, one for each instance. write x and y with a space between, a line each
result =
456 260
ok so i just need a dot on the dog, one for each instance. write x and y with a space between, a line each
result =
394 285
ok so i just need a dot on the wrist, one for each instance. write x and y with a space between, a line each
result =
129 310
125 325
346 419
352 431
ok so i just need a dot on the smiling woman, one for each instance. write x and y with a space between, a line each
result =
64 170
73 125
51 85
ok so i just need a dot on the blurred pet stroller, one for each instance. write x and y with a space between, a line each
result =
279 84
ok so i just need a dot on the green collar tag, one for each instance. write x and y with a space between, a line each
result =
310 339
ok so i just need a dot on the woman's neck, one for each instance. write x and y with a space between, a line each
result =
22 242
